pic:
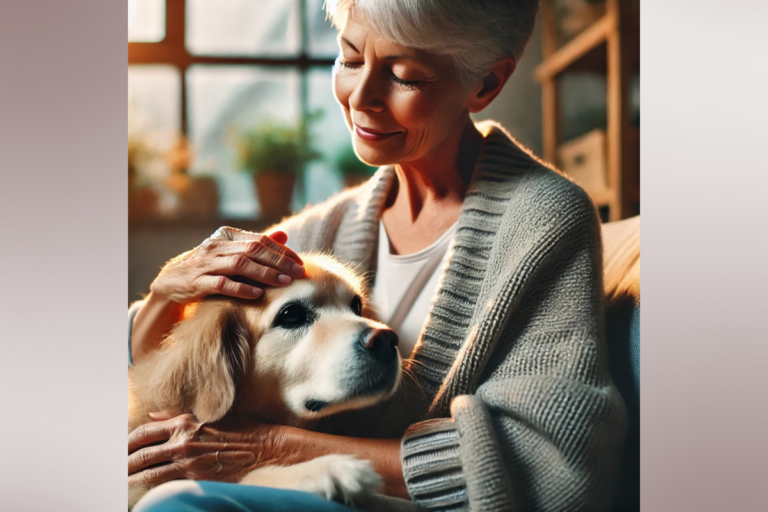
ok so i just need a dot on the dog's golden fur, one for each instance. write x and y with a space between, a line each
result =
225 356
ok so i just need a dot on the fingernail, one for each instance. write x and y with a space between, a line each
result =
297 270
257 292
284 279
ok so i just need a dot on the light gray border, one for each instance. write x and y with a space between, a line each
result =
64 258
704 162
63 255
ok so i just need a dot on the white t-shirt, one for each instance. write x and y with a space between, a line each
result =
404 286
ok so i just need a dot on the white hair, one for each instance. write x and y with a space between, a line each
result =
474 33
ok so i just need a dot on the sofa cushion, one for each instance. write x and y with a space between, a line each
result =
621 280
621 260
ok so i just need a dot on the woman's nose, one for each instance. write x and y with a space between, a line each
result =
366 94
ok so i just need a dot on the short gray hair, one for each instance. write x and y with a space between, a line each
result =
475 33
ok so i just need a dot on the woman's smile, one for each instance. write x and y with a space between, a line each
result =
399 103
369 134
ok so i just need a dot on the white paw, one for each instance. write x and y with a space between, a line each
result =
135 493
335 477
343 478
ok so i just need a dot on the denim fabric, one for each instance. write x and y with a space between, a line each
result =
191 496
634 346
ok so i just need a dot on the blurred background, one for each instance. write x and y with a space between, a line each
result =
232 119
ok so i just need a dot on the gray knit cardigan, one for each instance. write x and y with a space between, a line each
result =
508 404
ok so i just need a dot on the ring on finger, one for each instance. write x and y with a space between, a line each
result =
218 461
222 233
219 234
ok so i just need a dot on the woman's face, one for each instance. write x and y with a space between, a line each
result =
400 104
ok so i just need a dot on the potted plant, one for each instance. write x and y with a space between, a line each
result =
142 199
353 170
275 154
198 195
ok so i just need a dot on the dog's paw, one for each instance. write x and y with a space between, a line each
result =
343 478
135 493
335 477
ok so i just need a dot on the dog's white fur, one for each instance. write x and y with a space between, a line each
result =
227 356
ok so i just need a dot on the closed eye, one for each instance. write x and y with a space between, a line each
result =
408 84
349 65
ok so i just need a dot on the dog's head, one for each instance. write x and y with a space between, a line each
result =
296 354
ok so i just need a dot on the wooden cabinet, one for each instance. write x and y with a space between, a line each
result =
610 45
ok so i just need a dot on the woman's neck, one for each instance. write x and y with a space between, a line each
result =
427 194
442 176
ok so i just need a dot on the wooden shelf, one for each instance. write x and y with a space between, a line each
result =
609 46
602 198
576 49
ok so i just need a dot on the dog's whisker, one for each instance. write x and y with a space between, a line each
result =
412 362
408 372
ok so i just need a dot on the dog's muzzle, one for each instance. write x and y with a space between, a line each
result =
373 372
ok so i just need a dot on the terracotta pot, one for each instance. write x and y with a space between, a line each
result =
275 191
200 199
142 203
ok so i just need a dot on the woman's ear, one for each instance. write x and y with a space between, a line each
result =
491 84
209 352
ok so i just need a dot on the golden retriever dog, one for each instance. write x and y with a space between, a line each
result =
293 356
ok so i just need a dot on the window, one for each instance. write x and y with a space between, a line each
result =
146 21
208 71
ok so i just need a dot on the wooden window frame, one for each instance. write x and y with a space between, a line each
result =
172 51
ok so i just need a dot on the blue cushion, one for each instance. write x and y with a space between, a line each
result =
623 337
634 348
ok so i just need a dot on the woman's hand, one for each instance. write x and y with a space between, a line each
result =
191 450
211 269
208 269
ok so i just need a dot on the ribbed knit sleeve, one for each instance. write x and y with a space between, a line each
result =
536 423
431 465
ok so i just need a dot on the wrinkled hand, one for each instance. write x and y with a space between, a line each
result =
208 269
187 449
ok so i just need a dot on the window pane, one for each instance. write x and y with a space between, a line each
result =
154 111
154 125
146 21
243 27
225 102
322 35
329 135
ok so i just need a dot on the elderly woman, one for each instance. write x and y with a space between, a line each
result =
486 261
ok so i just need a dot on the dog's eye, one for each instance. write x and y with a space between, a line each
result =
292 315
357 306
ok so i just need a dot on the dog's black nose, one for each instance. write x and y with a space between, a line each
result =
381 344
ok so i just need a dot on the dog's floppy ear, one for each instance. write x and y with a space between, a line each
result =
208 354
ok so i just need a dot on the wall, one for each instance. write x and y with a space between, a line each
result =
518 107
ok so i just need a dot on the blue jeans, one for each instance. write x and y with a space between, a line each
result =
192 496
